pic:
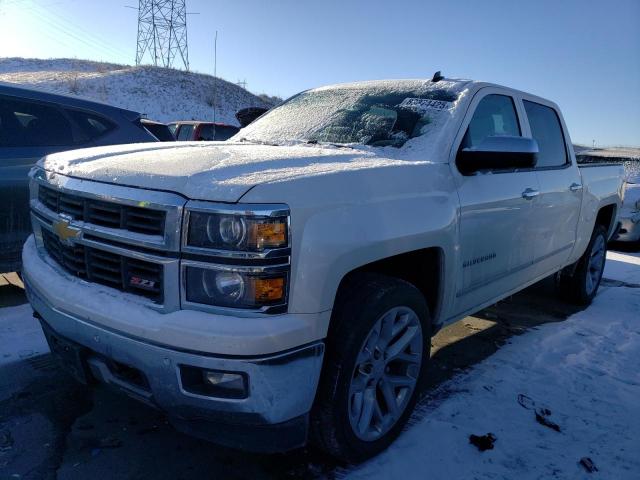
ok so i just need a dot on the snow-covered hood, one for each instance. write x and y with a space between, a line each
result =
216 171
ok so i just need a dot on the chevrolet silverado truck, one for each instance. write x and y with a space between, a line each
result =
283 286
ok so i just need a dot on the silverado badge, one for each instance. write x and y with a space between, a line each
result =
65 232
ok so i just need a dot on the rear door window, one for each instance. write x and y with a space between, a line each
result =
25 123
159 130
90 124
185 132
547 131
222 132
494 115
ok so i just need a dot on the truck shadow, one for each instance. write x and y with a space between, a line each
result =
112 436
474 338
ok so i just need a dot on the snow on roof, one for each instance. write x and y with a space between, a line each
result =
394 84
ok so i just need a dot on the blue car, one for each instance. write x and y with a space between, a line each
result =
35 123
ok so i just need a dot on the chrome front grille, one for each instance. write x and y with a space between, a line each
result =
105 214
123 237
118 271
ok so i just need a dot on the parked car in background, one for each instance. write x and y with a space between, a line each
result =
159 130
629 159
629 230
35 123
286 287
187 131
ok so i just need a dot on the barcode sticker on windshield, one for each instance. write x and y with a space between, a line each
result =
422 105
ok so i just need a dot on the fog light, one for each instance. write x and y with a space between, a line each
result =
226 380
214 383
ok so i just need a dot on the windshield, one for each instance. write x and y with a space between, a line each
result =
365 115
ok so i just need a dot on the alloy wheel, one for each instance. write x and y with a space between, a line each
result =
386 373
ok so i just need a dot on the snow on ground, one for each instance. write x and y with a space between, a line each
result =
160 93
623 267
585 371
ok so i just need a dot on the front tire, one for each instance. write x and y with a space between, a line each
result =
375 365
582 286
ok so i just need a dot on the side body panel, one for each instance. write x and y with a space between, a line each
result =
602 186
15 223
494 248
556 210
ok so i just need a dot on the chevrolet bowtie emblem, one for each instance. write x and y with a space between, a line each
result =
65 232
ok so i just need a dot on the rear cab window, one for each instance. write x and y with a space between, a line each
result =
185 132
546 129
91 125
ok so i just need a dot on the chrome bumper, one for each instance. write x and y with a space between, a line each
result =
281 386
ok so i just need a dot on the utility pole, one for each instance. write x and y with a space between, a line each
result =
162 32
242 83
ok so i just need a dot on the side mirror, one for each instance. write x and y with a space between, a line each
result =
498 153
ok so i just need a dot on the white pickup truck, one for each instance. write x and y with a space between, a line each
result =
284 286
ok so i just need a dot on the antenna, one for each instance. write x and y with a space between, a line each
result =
162 32
215 81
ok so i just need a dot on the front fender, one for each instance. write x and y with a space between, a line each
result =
344 221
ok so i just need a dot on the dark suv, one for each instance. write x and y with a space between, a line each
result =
34 124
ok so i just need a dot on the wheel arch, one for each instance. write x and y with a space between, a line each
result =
423 268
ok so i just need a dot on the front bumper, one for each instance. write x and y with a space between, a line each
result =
273 417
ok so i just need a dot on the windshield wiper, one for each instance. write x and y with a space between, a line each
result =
332 144
257 142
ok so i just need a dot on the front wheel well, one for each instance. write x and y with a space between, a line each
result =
422 268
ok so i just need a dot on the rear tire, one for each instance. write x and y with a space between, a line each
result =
582 286
375 365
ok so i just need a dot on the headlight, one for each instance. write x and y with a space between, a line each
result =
241 232
211 285
236 256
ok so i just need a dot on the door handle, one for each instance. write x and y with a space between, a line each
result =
574 187
530 194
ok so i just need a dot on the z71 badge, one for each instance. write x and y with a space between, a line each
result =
141 283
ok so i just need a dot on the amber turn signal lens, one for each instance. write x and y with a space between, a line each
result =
268 234
268 289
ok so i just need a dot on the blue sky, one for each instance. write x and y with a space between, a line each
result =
585 55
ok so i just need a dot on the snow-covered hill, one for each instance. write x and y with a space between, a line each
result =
628 157
162 94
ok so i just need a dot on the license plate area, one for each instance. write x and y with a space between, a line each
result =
72 355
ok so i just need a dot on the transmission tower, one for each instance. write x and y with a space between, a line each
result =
162 32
